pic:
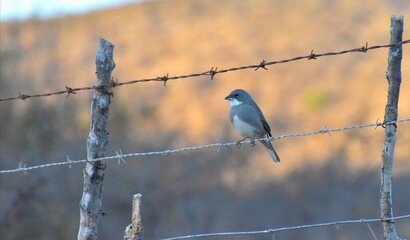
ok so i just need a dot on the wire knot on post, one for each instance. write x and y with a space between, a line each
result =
387 220
384 123
104 89
114 83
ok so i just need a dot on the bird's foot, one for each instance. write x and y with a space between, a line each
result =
253 143
239 143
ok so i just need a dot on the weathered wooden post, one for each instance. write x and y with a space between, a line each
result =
393 76
134 230
90 204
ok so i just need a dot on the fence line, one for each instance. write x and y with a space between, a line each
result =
120 156
275 230
212 72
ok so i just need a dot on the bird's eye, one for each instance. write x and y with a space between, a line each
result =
235 95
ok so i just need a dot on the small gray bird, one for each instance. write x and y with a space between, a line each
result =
248 120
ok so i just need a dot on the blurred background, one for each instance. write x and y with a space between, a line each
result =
321 178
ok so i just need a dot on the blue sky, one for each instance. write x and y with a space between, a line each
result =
23 9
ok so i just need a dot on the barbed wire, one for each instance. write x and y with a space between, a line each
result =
212 72
120 156
281 229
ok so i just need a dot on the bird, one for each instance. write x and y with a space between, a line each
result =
248 120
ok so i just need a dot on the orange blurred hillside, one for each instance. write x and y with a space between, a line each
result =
320 177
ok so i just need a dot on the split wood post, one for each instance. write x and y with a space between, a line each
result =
393 76
90 204
134 230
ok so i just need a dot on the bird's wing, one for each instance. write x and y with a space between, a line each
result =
266 127
262 119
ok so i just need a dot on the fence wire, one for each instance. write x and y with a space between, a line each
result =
211 73
275 230
120 156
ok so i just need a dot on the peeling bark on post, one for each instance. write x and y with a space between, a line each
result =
134 230
90 204
393 76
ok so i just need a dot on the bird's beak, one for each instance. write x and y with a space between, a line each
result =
229 97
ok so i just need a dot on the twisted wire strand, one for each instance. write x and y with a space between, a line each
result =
219 145
212 72
275 230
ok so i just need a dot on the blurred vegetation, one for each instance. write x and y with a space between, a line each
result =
321 178
315 99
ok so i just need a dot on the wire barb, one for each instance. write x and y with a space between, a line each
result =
213 72
70 162
120 158
22 168
378 124
364 48
23 96
164 79
326 130
312 55
220 145
69 91
262 65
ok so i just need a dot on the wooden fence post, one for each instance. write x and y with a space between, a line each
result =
90 204
134 230
393 76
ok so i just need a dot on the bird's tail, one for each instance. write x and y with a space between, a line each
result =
271 150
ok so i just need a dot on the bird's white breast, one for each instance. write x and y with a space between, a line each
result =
243 128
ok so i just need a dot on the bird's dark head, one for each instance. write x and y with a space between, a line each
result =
238 96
